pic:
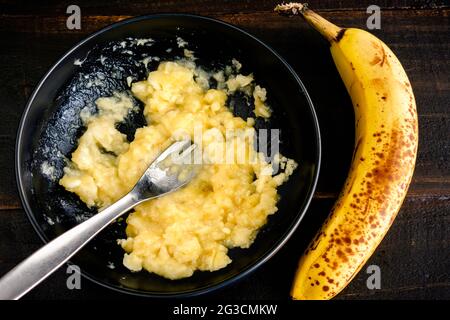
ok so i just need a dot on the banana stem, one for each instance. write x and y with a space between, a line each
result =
329 30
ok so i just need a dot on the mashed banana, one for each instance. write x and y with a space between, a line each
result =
223 207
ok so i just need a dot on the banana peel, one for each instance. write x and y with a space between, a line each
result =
386 140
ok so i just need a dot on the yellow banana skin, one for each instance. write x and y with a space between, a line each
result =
386 139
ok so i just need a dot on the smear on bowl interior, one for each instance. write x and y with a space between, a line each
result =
226 203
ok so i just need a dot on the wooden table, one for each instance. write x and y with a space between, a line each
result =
414 257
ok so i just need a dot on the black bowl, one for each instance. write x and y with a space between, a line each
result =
50 127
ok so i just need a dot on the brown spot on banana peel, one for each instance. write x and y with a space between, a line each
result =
383 55
357 145
380 57
376 59
340 35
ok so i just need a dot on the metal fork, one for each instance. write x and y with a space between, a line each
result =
164 175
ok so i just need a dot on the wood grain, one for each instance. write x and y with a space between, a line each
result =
414 257
207 7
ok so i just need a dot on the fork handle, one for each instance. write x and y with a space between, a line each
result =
50 257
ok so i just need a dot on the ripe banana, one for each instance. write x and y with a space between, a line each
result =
383 162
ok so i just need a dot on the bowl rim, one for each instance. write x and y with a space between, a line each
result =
208 288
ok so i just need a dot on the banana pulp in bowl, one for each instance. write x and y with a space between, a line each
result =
226 203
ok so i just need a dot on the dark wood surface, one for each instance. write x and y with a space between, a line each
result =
414 257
